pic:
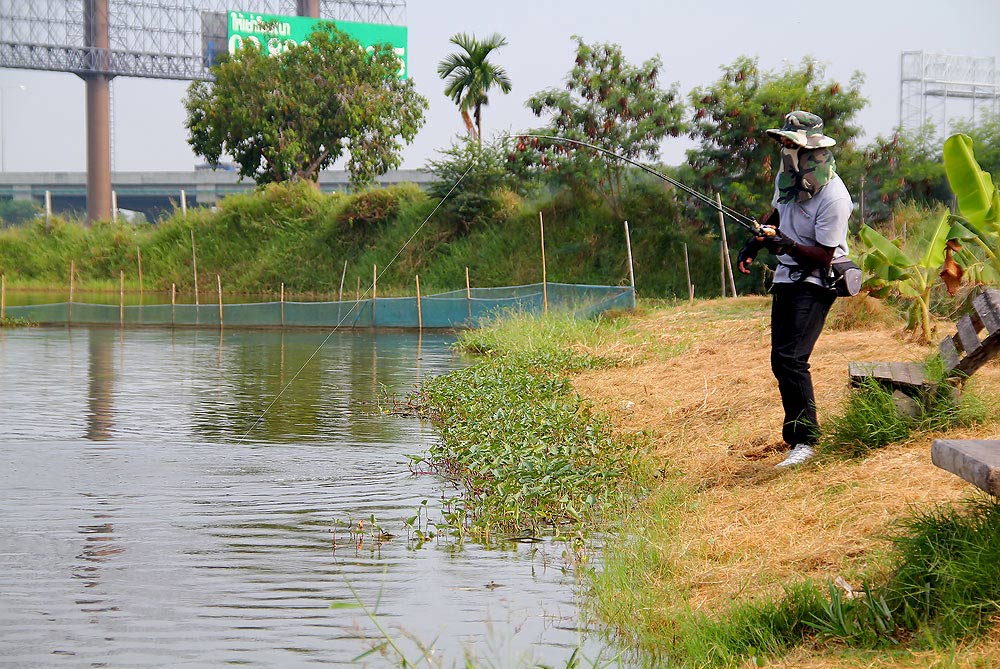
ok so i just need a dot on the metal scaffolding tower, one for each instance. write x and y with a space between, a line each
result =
939 89
161 39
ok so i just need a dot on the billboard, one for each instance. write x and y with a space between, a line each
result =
275 34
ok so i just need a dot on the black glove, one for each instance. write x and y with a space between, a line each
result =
778 243
747 254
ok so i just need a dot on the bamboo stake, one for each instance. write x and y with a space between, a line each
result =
48 210
727 259
114 206
121 298
3 295
218 280
545 291
420 315
687 270
357 291
374 291
173 303
343 275
631 271
138 255
194 265
468 292
72 273
184 203
282 304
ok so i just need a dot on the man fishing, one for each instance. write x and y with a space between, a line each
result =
806 231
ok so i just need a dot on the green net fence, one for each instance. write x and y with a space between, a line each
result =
450 310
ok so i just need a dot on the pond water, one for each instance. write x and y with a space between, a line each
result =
188 498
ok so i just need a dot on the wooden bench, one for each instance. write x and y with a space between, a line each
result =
975 460
963 353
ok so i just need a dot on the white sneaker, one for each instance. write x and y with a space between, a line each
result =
799 454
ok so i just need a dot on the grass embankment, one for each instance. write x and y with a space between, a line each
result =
299 237
727 559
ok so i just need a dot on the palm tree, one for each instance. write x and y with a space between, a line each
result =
469 76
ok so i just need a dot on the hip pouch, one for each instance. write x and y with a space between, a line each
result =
844 277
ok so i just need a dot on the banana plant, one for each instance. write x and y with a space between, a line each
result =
978 218
890 268
947 252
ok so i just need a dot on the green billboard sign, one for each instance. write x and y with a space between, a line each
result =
274 34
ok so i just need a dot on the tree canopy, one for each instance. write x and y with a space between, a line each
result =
734 155
287 117
607 102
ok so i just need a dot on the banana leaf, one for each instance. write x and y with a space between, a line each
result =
978 199
889 251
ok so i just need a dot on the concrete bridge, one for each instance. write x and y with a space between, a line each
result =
154 193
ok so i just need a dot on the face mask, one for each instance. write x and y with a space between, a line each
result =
790 157
803 173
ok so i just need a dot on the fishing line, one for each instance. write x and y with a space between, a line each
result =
749 223
745 221
351 310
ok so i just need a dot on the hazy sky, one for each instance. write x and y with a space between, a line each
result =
43 126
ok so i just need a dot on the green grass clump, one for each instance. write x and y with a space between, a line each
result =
530 454
947 578
11 322
871 419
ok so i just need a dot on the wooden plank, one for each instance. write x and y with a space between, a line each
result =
982 355
908 373
967 335
987 306
949 354
974 460
907 376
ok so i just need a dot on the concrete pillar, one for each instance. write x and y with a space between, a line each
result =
98 84
307 8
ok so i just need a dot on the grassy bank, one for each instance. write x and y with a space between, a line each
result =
299 237
530 454
727 561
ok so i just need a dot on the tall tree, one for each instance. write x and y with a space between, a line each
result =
734 156
469 76
288 116
607 102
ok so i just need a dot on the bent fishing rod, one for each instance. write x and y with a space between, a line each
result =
750 224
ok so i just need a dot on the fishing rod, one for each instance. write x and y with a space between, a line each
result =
750 224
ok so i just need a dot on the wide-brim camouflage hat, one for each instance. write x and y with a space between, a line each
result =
805 129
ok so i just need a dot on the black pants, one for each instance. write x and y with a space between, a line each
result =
798 312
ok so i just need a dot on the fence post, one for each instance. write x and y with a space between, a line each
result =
343 275
194 266
545 290
184 203
726 258
121 298
114 206
3 295
218 280
420 316
48 209
374 291
72 282
631 272
138 256
282 304
173 304
468 293
687 270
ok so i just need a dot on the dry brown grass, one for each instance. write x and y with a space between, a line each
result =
715 416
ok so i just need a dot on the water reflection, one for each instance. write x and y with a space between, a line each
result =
150 520
100 388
